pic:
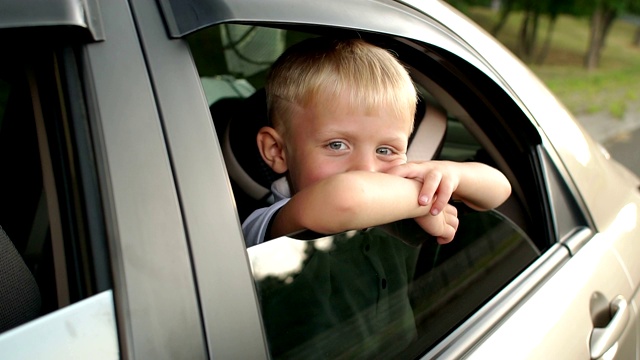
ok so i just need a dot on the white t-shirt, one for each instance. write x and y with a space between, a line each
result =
255 226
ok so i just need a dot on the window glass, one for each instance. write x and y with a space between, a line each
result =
567 214
23 213
389 290
385 291
4 96
47 261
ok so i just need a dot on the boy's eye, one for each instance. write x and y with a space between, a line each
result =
337 145
384 151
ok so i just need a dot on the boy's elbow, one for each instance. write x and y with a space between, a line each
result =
341 205
499 192
505 192
502 191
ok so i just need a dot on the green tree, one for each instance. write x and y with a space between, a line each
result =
532 11
505 10
529 28
602 13
463 5
553 10
634 8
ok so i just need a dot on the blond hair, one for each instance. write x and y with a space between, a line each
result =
318 71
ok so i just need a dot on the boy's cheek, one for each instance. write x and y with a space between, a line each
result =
395 164
310 176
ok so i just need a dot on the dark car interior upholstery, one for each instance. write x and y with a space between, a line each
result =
23 218
19 295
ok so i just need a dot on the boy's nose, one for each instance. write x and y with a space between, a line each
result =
365 163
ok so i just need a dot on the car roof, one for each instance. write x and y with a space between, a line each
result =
184 17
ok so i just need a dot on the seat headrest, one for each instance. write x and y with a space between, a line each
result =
429 131
240 149
247 168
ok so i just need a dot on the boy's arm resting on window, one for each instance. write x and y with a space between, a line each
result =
479 186
350 201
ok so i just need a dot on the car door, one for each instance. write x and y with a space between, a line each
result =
548 301
89 198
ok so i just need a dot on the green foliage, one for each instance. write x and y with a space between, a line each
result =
634 7
464 5
618 108
611 87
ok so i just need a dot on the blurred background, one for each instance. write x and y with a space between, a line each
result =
586 51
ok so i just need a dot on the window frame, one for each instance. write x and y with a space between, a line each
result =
520 138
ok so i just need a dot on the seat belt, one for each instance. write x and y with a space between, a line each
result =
48 180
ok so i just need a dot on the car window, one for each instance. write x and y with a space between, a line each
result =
385 291
53 246
335 294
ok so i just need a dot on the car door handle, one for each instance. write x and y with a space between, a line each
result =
602 339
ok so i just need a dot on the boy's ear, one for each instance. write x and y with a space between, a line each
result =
271 148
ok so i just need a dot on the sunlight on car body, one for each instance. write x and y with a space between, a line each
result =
625 221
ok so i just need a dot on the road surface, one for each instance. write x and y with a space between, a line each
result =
625 148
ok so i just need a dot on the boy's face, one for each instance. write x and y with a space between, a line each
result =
332 139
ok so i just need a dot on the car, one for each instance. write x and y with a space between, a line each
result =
127 157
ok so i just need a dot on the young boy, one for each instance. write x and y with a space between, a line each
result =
341 113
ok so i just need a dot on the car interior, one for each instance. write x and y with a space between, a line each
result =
21 193
41 216
489 249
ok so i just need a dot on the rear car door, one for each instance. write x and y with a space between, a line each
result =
96 216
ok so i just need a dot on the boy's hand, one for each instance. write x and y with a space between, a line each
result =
439 181
443 226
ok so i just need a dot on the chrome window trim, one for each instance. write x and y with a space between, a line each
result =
481 323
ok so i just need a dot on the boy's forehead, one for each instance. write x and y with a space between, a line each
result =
347 105
339 110
358 101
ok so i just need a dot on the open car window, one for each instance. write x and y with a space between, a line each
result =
361 291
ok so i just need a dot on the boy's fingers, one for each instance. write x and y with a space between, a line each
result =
407 170
441 199
451 218
430 185
413 170
447 235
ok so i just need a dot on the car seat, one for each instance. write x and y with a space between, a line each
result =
239 120
19 295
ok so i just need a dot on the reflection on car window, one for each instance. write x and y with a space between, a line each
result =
384 291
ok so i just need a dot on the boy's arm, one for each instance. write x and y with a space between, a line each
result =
349 201
479 186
